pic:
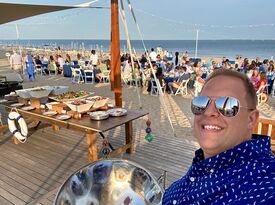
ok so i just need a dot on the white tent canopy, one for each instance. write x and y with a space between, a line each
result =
11 12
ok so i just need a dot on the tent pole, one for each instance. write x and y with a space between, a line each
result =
115 54
197 38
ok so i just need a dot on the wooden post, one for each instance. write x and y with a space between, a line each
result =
92 147
115 54
2 127
129 136
55 128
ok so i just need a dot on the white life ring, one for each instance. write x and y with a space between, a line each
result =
21 134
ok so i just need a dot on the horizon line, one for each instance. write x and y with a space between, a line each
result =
140 40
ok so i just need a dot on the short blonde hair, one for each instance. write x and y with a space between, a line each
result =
252 99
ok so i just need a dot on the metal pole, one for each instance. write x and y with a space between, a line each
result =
17 37
115 54
197 38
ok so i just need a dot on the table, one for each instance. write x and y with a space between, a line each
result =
90 128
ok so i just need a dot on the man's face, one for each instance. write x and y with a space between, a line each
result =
215 132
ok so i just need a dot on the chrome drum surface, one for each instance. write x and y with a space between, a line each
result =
110 182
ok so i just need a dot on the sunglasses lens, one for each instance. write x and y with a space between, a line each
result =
228 106
199 104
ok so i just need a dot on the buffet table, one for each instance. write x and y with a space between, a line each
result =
90 127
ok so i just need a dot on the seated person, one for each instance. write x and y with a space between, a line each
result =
159 76
52 65
176 83
260 87
255 78
199 82
233 166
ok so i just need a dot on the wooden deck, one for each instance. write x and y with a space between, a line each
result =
31 173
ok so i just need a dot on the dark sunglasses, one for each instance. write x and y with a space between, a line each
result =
226 105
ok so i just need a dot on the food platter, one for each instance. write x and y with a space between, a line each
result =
99 115
117 112
63 117
49 113
27 108
17 105
71 96
99 101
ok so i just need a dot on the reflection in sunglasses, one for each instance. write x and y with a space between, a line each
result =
226 105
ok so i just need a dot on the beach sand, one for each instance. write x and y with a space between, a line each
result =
178 106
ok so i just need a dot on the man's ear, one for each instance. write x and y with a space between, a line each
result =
252 119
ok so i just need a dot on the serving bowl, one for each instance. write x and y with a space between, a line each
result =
110 182
99 101
83 107
37 92
40 92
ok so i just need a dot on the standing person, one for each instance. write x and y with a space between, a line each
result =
153 56
30 66
176 60
232 166
93 59
16 62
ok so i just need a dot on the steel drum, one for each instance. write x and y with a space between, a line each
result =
110 182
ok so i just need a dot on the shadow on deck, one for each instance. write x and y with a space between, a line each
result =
31 173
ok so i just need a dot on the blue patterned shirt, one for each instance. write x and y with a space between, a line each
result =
242 175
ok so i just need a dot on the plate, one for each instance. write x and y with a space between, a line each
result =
49 113
99 115
63 117
3 100
117 112
17 104
28 108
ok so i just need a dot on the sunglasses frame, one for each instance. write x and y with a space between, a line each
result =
210 100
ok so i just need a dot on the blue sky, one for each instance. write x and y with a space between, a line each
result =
158 20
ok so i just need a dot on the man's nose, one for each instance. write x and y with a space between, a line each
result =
211 110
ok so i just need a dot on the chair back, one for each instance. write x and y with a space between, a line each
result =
266 127
89 76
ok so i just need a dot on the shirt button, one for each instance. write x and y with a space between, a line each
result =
174 202
192 179
211 170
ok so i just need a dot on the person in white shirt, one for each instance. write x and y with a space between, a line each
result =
61 63
153 56
93 59
16 62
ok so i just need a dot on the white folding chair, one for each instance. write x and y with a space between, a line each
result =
77 76
154 88
262 97
39 69
105 77
182 89
89 76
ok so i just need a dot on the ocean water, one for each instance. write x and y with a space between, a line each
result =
208 48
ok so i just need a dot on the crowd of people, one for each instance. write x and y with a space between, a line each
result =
170 70
232 166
